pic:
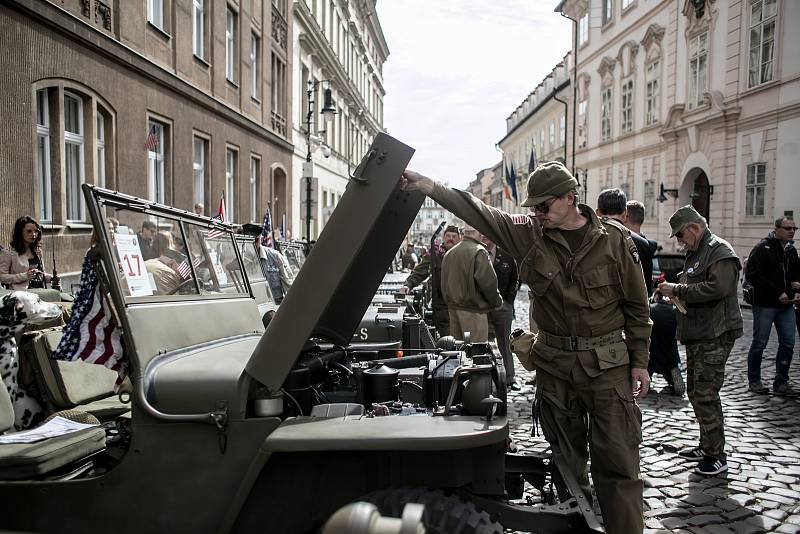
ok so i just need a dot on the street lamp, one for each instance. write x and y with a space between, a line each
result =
662 197
328 111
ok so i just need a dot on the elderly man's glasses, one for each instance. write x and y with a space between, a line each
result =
789 228
544 207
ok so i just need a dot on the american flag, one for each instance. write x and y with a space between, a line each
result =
91 334
266 230
185 271
220 216
152 139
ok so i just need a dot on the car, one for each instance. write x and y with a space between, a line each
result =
668 264
232 426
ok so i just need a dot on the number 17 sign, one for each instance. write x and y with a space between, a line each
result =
132 264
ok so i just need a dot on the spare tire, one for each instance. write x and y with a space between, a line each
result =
444 514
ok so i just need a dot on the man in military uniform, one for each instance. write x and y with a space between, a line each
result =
431 266
469 287
591 307
409 258
712 322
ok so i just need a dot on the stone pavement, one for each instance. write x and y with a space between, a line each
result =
760 491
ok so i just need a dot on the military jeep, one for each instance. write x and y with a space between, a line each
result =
236 428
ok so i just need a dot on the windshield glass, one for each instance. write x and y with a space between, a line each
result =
164 255
294 256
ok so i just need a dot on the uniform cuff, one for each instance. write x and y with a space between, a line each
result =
639 359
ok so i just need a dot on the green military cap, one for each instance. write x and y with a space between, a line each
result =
549 180
683 216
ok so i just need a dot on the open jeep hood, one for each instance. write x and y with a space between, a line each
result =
333 289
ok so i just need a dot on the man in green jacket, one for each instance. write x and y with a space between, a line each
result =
594 327
707 289
469 287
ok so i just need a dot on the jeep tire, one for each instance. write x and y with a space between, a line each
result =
444 514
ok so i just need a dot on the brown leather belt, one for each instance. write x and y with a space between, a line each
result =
577 343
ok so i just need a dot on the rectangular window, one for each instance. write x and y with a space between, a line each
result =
763 14
755 189
100 168
278 97
627 106
230 44
73 155
155 162
653 93
43 155
198 28
583 107
255 58
155 13
605 116
231 157
552 136
255 164
626 4
650 198
199 169
562 130
698 59
583 29
608 11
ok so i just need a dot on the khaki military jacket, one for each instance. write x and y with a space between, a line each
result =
468 278
594 291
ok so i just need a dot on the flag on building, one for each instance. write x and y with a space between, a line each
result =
220 216
506 189
151 142
266 230
91 334
532 161
512 183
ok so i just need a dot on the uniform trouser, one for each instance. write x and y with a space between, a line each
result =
473 322
705 373
597 416
501 320
441 320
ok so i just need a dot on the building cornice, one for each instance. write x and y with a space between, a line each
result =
539 106
63 22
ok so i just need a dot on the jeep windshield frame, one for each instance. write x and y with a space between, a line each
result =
190 266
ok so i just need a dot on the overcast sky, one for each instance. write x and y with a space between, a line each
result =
457 69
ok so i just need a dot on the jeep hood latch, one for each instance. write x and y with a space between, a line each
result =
220 419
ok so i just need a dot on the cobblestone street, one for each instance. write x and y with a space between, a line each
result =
760 491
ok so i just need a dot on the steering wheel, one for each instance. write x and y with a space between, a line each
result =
183 285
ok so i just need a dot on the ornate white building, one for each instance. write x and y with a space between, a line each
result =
337 45
691 102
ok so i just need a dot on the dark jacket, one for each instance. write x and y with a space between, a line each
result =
429 265
770 269
646 251
507 275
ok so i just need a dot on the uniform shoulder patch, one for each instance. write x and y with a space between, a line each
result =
521 219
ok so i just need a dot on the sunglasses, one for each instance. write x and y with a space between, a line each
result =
544 207
790 228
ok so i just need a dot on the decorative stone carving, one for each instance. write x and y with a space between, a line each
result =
606 71
86 8
627 61
583 85
279 28
701 16
652 42
102 11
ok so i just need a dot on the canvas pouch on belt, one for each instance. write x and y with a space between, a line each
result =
522 346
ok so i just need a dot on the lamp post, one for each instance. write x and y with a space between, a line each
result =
328 111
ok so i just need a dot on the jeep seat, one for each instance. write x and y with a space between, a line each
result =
33 460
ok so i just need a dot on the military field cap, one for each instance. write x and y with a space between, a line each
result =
683 216
453 228
549 180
